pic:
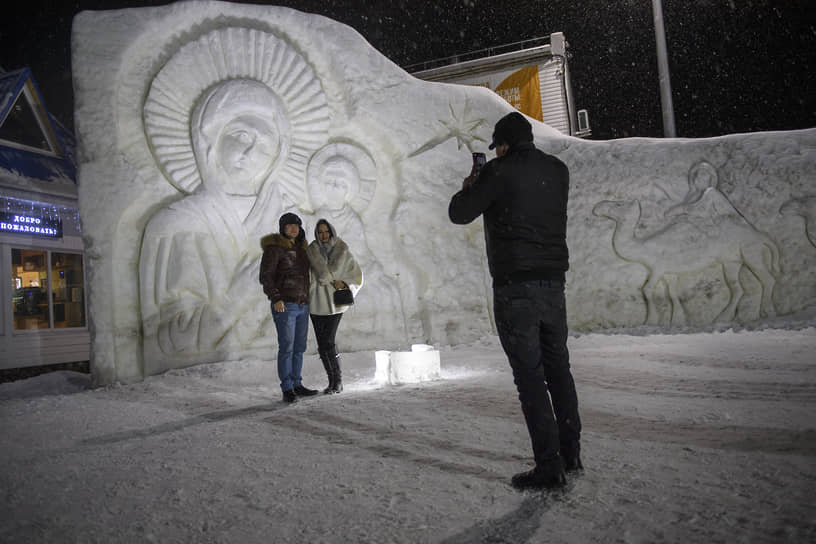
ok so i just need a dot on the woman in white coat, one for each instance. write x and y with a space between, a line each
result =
333 267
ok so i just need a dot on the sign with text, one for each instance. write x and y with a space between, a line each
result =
523 91
30 224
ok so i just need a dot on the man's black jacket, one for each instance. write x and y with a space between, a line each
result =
523 196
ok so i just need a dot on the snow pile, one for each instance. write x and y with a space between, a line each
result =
63 382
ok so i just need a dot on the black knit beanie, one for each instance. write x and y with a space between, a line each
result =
512 129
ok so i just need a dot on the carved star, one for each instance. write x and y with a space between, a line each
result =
462 128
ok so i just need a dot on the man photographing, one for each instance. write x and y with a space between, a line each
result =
522 195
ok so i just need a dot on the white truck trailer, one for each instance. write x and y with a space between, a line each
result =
532 75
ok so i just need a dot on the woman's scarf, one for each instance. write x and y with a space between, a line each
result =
326 249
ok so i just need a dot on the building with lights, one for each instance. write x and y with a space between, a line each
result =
43 318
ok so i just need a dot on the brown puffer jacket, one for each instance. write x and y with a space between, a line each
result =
284 269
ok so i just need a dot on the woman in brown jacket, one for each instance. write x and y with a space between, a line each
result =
285 279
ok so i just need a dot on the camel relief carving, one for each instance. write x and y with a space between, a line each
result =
685 246
805 207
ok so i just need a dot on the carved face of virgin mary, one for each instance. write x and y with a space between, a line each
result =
239 130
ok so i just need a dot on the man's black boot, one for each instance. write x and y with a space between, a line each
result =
539 478
289 396
572 462
301 391
571 455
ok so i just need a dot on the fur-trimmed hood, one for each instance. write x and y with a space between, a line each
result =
277 239
331 228
336 264
320 264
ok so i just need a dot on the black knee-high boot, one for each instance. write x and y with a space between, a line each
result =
326 358
334 359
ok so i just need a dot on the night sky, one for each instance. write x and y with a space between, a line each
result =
736 65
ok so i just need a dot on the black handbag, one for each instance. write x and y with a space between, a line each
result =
343 297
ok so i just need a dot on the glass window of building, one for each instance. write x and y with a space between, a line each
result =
30 293
67 287
30 287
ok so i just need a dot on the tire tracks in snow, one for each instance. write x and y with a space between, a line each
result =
636 381
382 440
730 437
457 398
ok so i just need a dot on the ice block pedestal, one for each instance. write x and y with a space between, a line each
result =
420 364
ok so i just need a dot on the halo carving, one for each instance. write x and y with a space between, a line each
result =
226 54
362 180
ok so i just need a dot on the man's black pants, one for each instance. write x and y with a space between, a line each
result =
531 319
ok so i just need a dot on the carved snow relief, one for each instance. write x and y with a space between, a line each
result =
704 229
341 176
199 123
230 54
684 246
342 182
804 207
464 127
232 119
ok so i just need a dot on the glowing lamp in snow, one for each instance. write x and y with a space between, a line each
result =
420 364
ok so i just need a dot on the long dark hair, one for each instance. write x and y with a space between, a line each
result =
328 226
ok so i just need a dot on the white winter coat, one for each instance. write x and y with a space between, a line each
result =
340 265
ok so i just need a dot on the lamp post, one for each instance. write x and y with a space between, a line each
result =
663 70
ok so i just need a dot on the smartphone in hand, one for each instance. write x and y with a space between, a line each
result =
479 160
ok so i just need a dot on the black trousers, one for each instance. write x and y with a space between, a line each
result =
531 319
325 328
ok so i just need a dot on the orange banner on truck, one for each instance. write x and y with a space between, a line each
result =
523 91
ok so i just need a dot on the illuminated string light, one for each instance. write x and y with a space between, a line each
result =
18 213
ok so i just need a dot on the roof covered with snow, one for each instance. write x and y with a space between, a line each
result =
34 146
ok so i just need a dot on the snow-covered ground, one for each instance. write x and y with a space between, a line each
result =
703 437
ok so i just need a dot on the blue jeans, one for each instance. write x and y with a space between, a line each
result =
531 319
293 328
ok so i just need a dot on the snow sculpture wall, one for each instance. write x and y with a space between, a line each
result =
232 131
200 123
695 232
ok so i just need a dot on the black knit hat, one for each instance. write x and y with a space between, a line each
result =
512 129
289 219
